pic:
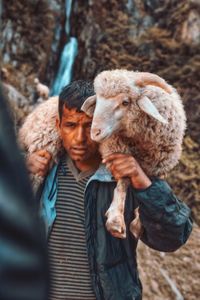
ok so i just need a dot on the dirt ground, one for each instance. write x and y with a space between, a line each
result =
171 276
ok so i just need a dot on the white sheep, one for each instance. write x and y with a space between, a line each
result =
140 114
42 90
39 131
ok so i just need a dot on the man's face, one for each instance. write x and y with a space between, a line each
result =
75 134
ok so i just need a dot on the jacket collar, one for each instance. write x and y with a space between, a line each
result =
102 174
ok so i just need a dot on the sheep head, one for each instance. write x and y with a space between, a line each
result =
117 93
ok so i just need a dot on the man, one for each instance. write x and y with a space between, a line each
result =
87 262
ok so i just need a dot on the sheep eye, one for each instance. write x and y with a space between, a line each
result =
125 103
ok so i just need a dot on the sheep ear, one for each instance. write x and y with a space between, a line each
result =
148 107
89 105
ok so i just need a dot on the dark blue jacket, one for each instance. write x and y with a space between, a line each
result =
166 221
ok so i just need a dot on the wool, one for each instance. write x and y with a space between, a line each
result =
39 131
156 146
154 139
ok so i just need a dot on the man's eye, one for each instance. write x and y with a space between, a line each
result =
70 125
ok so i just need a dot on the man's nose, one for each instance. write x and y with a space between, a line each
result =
80 135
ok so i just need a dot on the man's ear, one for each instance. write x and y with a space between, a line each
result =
89 106
58 123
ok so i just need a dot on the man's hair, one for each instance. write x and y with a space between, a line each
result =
74 94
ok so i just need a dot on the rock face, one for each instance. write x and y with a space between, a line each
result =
31 39
162 37
18 104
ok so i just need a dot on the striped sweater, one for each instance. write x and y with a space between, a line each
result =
70 275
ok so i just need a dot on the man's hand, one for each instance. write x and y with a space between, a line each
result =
38 162
125 165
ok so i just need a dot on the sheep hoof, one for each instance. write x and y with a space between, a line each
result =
136 229
116 226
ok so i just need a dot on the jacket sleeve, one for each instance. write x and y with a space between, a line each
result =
166 220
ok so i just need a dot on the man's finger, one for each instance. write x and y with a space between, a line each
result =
48 155
113 157
44 153
42 174
36 167
42 160
108 165
123 161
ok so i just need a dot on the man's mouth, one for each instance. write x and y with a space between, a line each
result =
79 149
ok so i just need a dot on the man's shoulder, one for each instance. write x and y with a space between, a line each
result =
48 182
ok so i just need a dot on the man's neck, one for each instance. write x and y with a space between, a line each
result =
90 164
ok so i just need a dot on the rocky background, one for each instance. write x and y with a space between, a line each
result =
162 37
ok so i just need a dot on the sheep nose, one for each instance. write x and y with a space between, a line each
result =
96 132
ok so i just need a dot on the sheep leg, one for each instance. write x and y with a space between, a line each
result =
115 223
136 226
